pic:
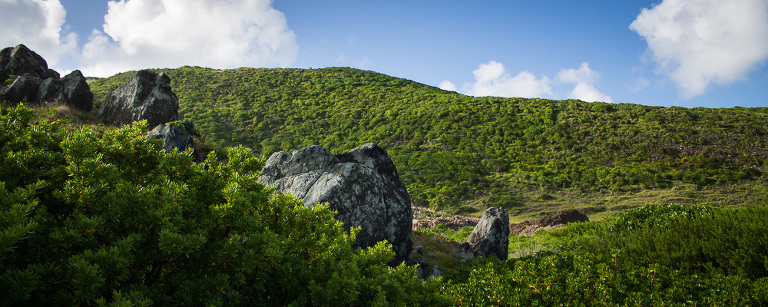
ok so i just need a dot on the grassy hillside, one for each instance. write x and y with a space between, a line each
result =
464 153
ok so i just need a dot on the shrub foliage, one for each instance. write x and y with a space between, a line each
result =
105 216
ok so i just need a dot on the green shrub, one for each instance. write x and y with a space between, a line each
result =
89 217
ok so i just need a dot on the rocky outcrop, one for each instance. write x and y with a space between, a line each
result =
490 236
179 137
35 83
20 60
72 90
362 185
557 220
146 96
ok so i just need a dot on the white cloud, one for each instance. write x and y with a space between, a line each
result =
699 42
447 85
170 33
493 79
584 79
38 25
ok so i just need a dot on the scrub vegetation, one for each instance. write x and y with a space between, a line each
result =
97 215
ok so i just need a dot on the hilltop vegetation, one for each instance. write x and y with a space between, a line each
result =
464 153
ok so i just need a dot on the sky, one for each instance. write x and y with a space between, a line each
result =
689 53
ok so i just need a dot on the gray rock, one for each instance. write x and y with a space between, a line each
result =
35 83
20 60
75 92
146 96
490 236
362 185
419 250
72 90
175 136
436 272
22 89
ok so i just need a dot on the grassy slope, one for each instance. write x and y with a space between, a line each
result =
463 154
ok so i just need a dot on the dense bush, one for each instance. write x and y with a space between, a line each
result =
104 216
585 279
654 255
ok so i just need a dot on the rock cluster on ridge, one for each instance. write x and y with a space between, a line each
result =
32 81
490 236
147 95
362 185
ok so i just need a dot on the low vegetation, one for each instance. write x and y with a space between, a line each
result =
106 217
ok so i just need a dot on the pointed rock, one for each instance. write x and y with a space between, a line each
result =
490 236
20 60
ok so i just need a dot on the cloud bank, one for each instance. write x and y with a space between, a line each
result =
171 33
155 33
38 24
493 79
699 42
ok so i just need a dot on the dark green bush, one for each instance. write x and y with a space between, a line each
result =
107 217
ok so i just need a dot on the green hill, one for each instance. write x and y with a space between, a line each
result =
97 215
463 154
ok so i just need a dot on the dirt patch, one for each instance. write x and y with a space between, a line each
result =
557 220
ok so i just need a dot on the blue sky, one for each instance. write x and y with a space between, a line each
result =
690 53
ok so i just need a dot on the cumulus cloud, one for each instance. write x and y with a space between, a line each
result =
699 42
447 85
584 79
38 24
493 79
170 33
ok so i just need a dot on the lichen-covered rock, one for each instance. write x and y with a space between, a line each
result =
175 136
490 236
146 96
362 185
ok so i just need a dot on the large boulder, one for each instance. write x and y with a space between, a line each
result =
490 236
20 60
177 136
146 96
362 185
35 83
